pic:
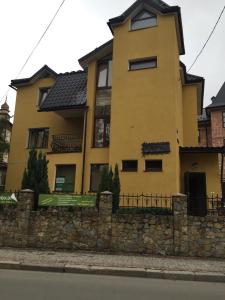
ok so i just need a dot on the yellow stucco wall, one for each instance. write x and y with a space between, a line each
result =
206 163
145 104
27 116
190 120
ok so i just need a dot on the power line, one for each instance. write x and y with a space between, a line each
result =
217 22
37 44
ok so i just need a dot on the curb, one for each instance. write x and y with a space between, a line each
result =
116 271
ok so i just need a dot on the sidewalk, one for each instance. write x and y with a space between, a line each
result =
178 268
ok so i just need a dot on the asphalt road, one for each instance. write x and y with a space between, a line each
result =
26 285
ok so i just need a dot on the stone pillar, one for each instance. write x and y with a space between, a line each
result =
105 221
180 225
25 206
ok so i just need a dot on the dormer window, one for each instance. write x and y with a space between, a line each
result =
43 93
144 19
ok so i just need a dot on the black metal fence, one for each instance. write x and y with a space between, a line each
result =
215 204
149 203
66 143
208 205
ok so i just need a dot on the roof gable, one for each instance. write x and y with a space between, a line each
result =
98 53
189 79
154 6
44 72
219 100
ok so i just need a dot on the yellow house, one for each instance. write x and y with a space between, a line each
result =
133 104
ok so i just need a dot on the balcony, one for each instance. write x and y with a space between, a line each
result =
66 143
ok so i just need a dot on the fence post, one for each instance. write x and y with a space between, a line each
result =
105 221
25 206
180 225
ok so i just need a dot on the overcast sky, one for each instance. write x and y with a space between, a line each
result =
81 26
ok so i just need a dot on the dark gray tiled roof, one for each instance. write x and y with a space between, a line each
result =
219 100
157 4
69 91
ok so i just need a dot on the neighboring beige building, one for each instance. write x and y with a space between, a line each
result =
6 135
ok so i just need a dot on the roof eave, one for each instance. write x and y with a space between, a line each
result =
102 50
57 108
15 83
170 10
196 150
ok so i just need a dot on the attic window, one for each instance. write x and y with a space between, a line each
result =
43 93
142 20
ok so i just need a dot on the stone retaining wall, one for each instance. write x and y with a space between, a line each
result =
100 230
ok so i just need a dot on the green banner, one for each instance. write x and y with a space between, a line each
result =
67 200
8 198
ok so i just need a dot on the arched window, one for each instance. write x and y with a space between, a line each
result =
144 19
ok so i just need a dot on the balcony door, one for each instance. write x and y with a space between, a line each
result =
65 178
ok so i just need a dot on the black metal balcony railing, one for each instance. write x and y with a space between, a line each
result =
66 143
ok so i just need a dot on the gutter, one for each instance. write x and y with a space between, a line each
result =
14 88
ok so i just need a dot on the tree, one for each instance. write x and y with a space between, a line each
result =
110 179
35 176
104 183
29 180
41 176
110 182
116 188
4 146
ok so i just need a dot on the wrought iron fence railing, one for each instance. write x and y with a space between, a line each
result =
66 143
149 203
215 204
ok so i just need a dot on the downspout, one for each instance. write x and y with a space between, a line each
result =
84 151
221 178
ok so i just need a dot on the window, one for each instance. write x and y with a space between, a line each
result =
143 20
38 138
65 178
223 116
105 74
153 165
2 179
43 93
129 165
143 64
96 173
102 133
102 118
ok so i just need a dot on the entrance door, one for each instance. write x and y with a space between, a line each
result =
65 178
195 188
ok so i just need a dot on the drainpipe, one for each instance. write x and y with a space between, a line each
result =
84 151
221 178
